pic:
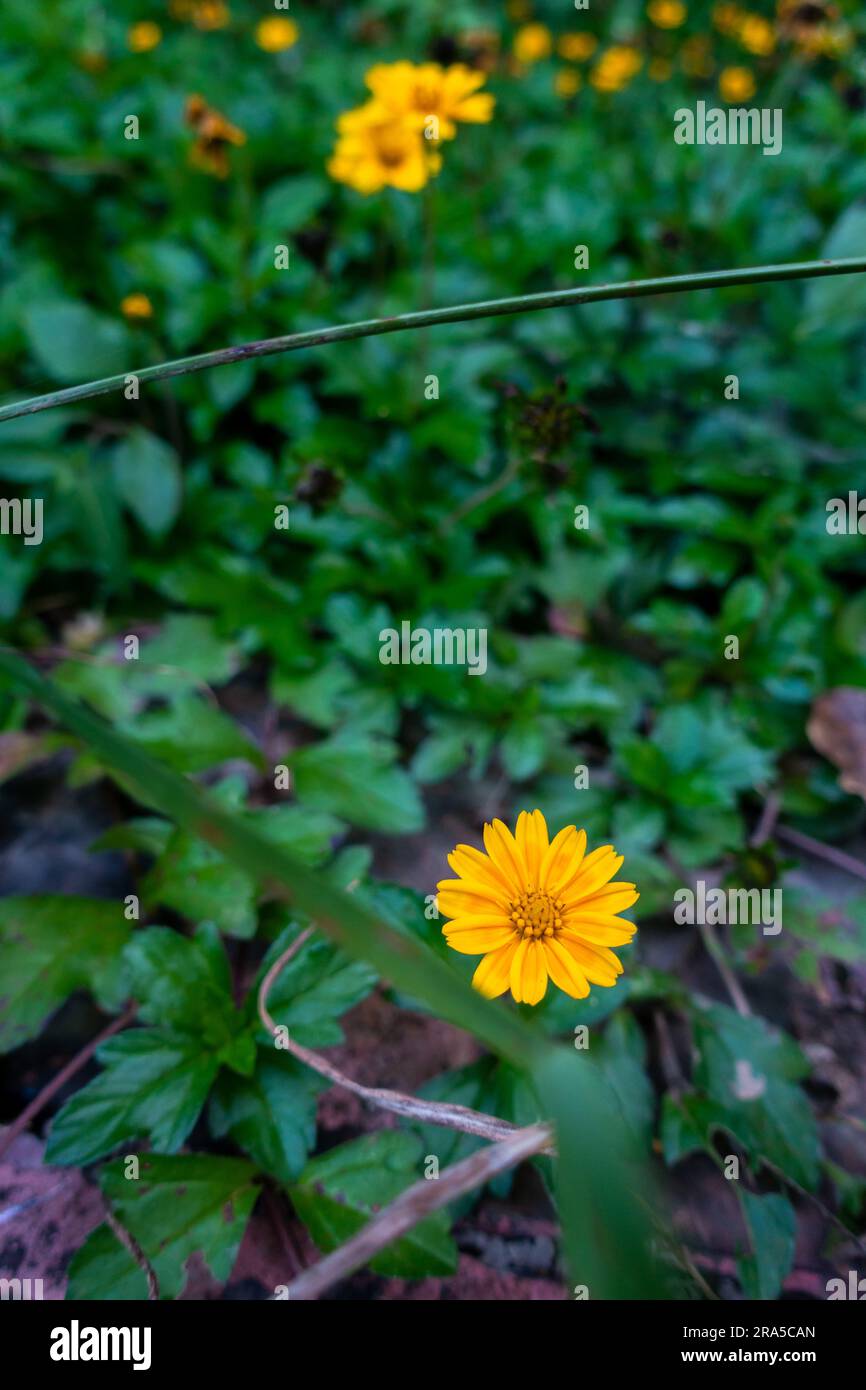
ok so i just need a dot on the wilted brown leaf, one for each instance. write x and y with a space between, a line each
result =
837 728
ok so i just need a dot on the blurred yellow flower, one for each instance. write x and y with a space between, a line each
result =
532 43
667 14
204 14
757 35
736 84
696 56
92 60
576 48
660 70
377 149
728 18
566 82
275 34
615 68
537 909
136 306
144 36
416 93
214 134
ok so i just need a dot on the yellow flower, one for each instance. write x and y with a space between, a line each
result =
736 84
144 36
415 93
728 18
757 35
276 33
813 27
214 134
576 48
532 43
667 14
696 57
615 68
566 82
660 70
536 908
377 149
136 306
204 14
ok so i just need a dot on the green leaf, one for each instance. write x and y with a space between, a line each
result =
49 947
621 1056
192 735
196 881
154 1085
184 983
772 1226
189 1205
750 1073
337 1193
356 780
149 480
314 989
71 341
270 1115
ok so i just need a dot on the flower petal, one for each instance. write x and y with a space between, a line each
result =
597 929
454 898
564 970
479 940
528 971
493 975
562 858
506 854
595 871
599 965
471 864
531 836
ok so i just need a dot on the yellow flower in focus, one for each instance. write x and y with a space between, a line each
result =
136 306
214 134
660 70
576 48
377 149
532 43
144 36
667 14
736 84
615 68
757 35
566 82
417 92
276 34
537 909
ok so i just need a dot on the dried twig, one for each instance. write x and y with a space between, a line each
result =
131 1245
65 1074
412 1107
418 1201
732 984
821 851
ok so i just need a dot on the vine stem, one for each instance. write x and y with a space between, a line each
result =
428 318
429 1112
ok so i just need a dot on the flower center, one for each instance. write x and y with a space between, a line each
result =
536 914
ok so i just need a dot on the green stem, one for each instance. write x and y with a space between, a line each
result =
428 318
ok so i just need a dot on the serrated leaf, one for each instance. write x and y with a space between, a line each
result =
192 1204
314 989
337 1193
49 947
271 1115
356 779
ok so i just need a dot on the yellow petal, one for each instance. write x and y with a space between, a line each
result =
471 864
531 836
528 972
564 970
494 973
599 965
562 859
593 873
479 941
597 929
455 899
506 854
611 898
474 920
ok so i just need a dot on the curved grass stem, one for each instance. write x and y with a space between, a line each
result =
429 318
